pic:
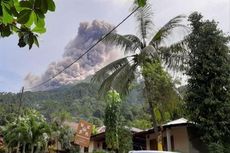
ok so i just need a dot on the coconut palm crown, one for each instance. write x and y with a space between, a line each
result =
119 74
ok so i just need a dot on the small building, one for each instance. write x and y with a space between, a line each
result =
97 142
178 135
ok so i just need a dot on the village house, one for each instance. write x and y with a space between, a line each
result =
178 135
97 142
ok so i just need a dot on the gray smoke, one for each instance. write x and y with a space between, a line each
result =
99 56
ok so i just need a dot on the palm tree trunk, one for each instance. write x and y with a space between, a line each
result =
150 99
37 149
18 147
10 150
24 148
162 114
32 148
46 147
153 118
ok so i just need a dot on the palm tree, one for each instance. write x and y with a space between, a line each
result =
143 53
39 131
28 130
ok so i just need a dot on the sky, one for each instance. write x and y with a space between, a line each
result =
62 25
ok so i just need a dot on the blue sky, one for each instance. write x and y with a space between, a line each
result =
16 63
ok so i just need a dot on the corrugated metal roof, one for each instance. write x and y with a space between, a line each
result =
176 122
133 129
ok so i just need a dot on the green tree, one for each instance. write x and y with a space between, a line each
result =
112 118
25 18
125 139
60 132
29 131
208 91
158 90
141 124
148 48
125 136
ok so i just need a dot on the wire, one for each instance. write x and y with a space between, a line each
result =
87 51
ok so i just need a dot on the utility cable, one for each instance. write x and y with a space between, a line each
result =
87 51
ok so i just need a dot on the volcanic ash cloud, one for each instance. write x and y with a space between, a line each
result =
99 56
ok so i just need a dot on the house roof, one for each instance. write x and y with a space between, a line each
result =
132 129
101 132
101 129
177 122
174 123
72 125
135 130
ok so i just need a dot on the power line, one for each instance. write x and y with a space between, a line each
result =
87 51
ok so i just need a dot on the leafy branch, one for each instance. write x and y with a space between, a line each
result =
26 18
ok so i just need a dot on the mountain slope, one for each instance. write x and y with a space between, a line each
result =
80 100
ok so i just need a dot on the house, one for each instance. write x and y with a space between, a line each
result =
97 142
178 135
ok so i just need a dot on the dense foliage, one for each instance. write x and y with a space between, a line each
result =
80 101
208 90
125 139
25 18
112 119
28 132
118 136
147 45
165 98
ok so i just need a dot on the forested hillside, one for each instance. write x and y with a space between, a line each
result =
79 101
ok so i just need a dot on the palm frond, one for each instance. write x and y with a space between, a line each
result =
119 80
150 51
176 55
108 82
125 43
138 44
144 19
103 73
124 79
166 30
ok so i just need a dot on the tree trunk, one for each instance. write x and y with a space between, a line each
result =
10 150
45 149
153 118
37 149
18 147
24 148
32 148
150 98
162 114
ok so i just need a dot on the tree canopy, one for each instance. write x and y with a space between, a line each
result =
146 48
208 91
26 18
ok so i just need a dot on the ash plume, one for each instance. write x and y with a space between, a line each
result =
99 56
